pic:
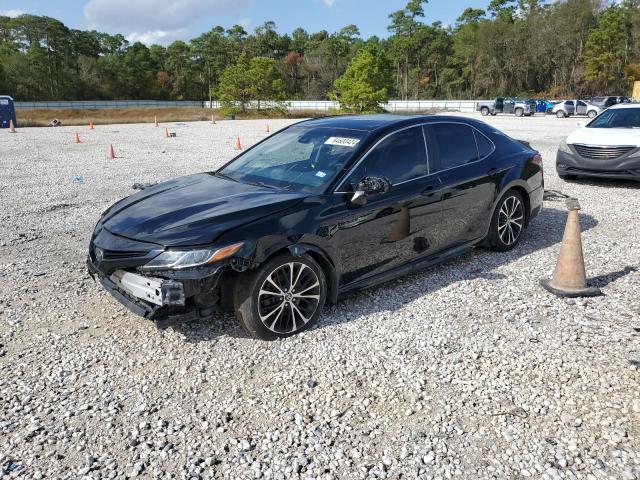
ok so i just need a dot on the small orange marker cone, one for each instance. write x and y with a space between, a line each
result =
166 132
12 128
77 137
267 129
569 277
110 153
90 125
213 120
238 146
155 120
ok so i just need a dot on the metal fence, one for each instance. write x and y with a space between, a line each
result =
294 105
102 104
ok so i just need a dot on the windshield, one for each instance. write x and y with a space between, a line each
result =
617 118
298 158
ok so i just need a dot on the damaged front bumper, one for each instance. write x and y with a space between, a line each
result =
161 299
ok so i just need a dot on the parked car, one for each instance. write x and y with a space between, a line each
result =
321 208
606 102
543 105
608 146
507 105
569 108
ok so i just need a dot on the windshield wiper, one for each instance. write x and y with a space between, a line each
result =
224 175
260 184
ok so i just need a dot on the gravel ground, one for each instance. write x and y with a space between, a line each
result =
469 370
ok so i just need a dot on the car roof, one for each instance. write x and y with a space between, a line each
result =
382 121
367 123
624 105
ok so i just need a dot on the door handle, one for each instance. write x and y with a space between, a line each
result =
492 172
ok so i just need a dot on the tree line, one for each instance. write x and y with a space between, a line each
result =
514 47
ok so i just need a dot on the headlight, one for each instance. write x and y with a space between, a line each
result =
635 154
179 259
564 147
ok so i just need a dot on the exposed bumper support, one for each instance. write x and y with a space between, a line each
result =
156 298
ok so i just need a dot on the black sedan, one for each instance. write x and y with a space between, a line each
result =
320 208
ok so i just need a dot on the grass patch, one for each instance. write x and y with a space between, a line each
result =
41 118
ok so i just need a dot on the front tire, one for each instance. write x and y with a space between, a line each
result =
519 112
281 298
507 222
592 113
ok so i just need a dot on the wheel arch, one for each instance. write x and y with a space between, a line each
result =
323 259
297 249
520 187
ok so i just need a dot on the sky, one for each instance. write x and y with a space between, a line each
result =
162 21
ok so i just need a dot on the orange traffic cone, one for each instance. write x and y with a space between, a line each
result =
569 277
12 128
267 129
90 125
238 146
213 120
155 120
77 137
110 153
166 132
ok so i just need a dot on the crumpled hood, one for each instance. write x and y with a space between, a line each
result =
606 136
193 210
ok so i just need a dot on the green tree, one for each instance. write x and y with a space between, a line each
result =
365 83
266 80
608 48
236 86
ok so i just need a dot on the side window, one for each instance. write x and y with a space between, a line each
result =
569 103
400 157
451 145
485 147
581 103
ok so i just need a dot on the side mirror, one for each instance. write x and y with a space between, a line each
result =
359 198
369 185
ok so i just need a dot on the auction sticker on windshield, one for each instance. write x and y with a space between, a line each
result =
342 141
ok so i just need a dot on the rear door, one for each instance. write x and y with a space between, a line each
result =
461 157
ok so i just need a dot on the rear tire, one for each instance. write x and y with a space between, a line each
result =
484 111
507 222
281 298
560 114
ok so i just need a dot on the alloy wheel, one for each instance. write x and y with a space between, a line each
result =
289 297
510 220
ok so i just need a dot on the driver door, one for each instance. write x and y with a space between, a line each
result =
570 107
581 108
378 235
508 105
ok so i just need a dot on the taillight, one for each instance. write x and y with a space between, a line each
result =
537 159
